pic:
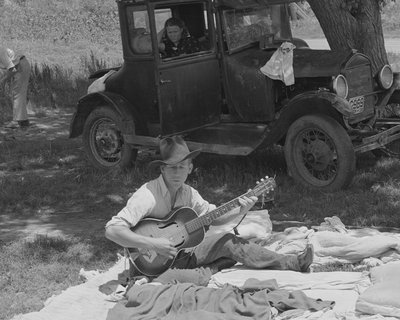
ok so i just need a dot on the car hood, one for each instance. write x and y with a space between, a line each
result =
318 63
306 62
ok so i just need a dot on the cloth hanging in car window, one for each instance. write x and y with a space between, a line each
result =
280 66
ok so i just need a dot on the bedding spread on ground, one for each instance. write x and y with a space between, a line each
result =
253 300
274 294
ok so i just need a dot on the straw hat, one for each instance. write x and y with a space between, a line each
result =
174 150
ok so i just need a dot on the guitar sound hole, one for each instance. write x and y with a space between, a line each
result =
179 244
168 225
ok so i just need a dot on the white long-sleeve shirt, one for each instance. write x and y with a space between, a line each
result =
153 200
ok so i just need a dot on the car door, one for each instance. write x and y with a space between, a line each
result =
189 88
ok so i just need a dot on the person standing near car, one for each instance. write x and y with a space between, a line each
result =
17 68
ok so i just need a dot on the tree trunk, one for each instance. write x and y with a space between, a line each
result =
353 25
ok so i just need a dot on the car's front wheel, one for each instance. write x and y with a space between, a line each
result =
103 140
319 153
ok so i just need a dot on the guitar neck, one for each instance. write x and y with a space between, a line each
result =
208 218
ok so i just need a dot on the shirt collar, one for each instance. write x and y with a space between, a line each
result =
163 186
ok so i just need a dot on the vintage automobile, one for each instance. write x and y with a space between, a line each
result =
221 102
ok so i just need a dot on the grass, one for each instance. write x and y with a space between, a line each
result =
54 86
54 179
33 271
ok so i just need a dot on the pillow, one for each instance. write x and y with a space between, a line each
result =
383 297
141 41
388 272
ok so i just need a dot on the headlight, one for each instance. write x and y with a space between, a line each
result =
385 77
340 86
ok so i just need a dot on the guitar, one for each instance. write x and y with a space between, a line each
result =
185 229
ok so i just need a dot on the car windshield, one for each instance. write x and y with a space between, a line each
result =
247 26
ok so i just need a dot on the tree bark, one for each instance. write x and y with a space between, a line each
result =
353 25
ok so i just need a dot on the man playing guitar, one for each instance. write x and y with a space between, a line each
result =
157 245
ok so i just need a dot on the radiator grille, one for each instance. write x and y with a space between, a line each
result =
359 80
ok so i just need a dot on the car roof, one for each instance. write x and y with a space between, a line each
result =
226 3
249 3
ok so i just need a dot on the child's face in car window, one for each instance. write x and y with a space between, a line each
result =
174 33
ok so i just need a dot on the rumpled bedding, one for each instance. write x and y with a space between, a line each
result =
334 243
255 300
350 248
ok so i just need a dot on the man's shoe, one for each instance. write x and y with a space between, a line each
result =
24 123
220 264
306 258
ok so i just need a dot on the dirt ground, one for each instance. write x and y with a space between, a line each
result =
52 126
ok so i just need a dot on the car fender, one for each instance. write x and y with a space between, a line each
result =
88 103
315 102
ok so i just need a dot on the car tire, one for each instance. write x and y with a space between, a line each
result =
103 140
319 153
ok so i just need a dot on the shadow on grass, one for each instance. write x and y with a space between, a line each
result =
45 126
48 187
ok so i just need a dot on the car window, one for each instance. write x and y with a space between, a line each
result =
161 15
187 32
247 26
139 30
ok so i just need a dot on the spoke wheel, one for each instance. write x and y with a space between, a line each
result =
103 140
319 153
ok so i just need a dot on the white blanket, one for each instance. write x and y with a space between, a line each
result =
292 280
81 302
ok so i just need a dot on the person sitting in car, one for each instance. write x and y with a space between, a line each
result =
176 40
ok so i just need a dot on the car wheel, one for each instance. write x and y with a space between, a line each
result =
319 153
103 141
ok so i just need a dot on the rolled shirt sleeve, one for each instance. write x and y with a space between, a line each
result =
139 205
200 205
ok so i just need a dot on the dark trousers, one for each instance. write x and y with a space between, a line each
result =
237 249
224 246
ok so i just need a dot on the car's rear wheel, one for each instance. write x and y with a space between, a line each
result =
319 153
103 140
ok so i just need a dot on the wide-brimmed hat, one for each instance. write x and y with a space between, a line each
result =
174 150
